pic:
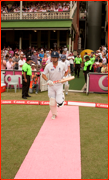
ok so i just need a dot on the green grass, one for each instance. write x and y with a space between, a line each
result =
20 125
77 83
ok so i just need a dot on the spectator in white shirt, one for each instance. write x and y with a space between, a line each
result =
104 59
21 61
10 64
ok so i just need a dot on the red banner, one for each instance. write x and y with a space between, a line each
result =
100 105
19 102
74 103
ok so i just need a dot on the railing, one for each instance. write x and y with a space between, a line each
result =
82 15
36 15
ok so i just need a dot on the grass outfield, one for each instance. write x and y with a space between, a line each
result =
77 83
20 125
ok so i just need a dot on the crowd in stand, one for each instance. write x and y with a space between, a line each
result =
41 6
14 59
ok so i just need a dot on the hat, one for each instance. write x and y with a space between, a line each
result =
16 53
28 58
87 57
21 52
10 56
34 52
55 54
63 56
32 64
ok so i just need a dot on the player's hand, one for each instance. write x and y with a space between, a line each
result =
69 75
50 83
64 77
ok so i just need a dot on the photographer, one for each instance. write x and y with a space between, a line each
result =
34 84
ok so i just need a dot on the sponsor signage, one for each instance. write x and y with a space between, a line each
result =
71 103
98 83
19 102
100 105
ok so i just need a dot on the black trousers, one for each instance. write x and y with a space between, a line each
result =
71 68
85 75
25 86
77 69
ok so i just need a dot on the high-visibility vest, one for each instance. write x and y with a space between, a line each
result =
31 82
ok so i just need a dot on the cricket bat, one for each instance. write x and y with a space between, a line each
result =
62 80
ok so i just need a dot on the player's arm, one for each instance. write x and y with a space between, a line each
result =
44 77
66 73
68 69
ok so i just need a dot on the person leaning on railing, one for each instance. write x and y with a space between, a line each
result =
3 63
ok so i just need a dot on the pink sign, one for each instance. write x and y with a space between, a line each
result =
98 83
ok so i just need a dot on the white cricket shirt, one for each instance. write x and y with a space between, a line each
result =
55 73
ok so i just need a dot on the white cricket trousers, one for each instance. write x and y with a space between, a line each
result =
56 91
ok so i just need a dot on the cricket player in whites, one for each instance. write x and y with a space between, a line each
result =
67 64
56 70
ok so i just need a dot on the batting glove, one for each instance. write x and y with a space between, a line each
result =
69 75
50 83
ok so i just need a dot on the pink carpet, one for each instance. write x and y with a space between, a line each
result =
55 152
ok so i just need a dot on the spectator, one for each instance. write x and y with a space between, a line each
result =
6 58
103 69
34 58
107 57
21 62
100 66
45 58
43 66
33 67
3 63
16 60
10 64
11 52
41 55
71 60
104 59
34 84
59 55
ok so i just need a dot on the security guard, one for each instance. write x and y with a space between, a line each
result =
86 68
77 62
26 74
92 59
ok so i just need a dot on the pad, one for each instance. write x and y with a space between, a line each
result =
53 106
66 88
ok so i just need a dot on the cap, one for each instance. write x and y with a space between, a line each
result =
63 56
87 57
16 53
28 58
32 64
34 51
55 54
21 52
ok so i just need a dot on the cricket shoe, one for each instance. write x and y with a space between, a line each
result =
60 105
53 116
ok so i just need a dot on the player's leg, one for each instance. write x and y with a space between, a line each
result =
59 95
52 103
